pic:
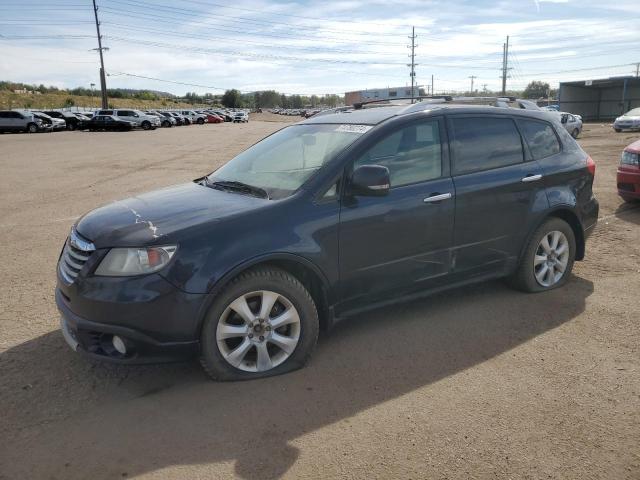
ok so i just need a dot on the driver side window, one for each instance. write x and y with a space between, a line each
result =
412 154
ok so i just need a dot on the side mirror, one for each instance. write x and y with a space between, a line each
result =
370 181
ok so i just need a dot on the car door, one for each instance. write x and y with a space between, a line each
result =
496 191
399 242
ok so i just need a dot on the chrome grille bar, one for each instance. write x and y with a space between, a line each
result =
75 254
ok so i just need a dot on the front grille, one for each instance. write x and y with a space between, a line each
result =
75 254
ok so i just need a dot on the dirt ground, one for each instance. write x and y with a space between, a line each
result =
479 382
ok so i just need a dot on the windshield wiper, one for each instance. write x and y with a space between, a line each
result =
238 187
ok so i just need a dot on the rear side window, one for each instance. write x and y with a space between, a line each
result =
412 154
483 143
540 137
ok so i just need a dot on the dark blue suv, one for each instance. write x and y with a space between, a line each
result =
323 219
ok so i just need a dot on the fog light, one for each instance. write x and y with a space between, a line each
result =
119 345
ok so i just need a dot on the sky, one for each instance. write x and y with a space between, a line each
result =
315 47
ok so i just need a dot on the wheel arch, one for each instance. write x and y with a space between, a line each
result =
307 272
566 213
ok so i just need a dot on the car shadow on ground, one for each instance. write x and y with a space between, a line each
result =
629 212
89 420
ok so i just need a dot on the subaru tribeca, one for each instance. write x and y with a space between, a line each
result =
325 218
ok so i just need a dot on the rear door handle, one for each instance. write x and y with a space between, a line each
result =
532 178
437 198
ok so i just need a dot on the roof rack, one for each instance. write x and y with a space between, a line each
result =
424 102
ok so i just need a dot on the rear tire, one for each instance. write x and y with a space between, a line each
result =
540 268
32 128
146 125
575 133
220 356
200 121
618 130
71 127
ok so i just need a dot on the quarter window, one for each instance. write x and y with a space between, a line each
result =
483 143
540 137
412 154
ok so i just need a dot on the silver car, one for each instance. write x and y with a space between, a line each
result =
628 121
138 118
572 123
20 121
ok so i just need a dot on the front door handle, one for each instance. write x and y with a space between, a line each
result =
532 178
437 198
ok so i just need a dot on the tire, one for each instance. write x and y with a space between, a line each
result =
618 130
32 128
200 121
525 276
146 125
71 127
250 289
166 124
575 133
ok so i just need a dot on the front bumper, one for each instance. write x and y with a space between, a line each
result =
156 321
628 182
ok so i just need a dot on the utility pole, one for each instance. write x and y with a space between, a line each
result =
638 69
412 56
505 65
103 80
472 77
433 92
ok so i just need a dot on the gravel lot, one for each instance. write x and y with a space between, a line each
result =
480 382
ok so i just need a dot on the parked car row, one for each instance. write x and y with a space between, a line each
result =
33 121
304 112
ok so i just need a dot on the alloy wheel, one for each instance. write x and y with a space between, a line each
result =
551 258
258 331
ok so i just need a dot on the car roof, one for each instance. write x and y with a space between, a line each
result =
633 148
376 115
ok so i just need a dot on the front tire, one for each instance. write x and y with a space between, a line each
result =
548 258
32 128
263 323
575 133
200 121
618 130
146 125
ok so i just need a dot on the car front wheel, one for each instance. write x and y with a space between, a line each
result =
32 128
263 323
548 258
575 133
146 125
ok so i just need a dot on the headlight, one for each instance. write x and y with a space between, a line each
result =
135 261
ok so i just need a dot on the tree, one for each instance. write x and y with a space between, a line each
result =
69 102
232 99
536 89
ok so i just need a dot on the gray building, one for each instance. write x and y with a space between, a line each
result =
603 99
388 93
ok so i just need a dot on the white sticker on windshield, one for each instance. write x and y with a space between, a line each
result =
354 128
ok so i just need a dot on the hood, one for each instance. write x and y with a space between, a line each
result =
154 217
635 118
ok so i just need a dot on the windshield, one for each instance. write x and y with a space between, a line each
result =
633 113
282 162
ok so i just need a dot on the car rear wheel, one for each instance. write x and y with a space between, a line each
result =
200 121
146 125
263 323
71 127
166 124
548 258
618 130
32 128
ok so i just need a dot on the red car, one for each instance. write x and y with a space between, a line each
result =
629 173
211 118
